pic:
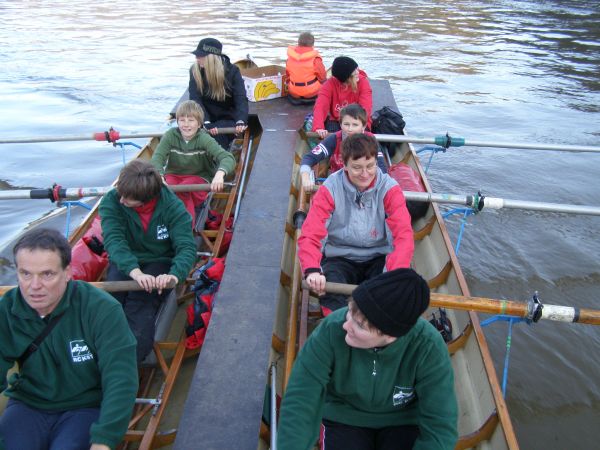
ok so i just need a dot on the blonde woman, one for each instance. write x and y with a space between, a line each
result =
349 84
217 86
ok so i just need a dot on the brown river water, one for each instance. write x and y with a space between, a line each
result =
519 71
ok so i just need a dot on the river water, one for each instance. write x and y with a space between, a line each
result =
522 71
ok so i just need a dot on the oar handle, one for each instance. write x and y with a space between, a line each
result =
194 187
108 286
122 286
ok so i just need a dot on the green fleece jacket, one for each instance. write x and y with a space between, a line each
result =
168 238
87 360
201 156
409 382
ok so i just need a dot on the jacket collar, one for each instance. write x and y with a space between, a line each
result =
22 310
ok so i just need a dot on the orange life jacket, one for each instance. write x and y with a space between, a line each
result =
302 80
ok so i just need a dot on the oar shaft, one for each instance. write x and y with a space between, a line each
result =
108 286
448 141
480 202
491 306
85 137
107 136
76 193
460 142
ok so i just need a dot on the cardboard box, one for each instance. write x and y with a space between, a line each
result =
264 83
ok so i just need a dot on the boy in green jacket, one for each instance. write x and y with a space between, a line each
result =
188 154
148 236
77 388
374 375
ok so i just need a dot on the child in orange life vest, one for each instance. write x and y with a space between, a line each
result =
190 155
305 71
353 121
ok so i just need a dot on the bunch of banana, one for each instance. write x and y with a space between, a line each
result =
264 89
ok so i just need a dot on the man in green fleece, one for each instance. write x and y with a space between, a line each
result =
76 388
374 375
148 236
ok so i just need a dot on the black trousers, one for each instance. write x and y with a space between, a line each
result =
332 125
140 306
338 436
343 270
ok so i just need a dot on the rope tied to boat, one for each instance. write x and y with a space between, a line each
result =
535 308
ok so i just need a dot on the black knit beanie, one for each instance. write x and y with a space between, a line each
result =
343 67
393 301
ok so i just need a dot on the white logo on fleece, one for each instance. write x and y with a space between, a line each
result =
80 352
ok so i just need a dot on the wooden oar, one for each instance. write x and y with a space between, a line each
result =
105 136
60 193
448 141
479 202
108 286
529 310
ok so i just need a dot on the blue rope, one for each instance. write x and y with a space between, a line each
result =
433 149
68 204
466 213
511 320
122 145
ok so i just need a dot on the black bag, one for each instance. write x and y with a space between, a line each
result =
388 121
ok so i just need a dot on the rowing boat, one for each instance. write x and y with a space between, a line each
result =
262 315
154 421
265 316
483 419
160 371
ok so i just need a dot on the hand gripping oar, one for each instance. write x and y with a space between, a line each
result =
533 310
104 136
57 192
108 286
447 141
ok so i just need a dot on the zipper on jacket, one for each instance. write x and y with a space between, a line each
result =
374 372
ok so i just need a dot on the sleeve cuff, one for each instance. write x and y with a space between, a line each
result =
308 271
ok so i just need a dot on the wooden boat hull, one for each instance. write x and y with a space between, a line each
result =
259 312
484 422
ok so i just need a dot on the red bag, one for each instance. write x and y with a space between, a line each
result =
407 177
409 180
88 258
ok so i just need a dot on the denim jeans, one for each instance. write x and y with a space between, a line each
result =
24 427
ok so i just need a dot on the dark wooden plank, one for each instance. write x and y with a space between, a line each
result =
225 401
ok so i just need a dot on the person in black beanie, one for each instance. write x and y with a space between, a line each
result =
348 85
374 375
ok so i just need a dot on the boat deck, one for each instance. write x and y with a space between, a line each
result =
225 400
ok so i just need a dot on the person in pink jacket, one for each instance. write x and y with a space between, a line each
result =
349 84
357 226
